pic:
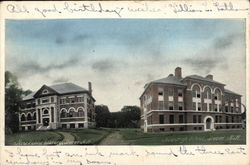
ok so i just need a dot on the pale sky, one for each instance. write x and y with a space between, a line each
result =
119 56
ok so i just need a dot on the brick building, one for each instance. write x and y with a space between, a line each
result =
59 106
177 103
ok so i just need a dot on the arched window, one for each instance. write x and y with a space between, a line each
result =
29 117
217 94
45 111
63 113
80 112
196 91
34 116
71 113
23 117
207 93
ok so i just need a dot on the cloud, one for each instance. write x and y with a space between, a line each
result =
34 67
213 56
61 79
103 65
72 39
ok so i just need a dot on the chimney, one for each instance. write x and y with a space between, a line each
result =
210 77
178 72
90 88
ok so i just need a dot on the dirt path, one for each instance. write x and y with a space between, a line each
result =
67 138
114 138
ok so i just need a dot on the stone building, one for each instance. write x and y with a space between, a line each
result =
177 103
58 106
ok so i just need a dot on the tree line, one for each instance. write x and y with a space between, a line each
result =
127 117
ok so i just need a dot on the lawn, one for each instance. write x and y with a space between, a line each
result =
33 138
137 137
125 136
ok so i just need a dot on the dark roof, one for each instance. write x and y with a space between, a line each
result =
29 96
197 77
169 80
231 92
67 88
60 89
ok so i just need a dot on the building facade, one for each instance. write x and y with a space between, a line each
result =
59 106
194 102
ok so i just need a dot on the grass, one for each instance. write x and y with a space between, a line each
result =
137 137
33 138
127 136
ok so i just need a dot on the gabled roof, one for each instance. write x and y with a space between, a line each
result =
64 88
197 77
169 80
29 96
67 88
231 92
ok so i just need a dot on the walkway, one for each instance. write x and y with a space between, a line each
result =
115 138
68 139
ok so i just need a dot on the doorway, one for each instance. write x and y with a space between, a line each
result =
208 123
45 121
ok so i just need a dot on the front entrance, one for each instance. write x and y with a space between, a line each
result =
45 121
208 123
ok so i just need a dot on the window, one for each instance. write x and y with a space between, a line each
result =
45 111
45 101
63 114
39 117
217 94
180 106
29 117
180 118
52 114
220 119
194 118
194 106
160 105
29 127
226 119
216 119
199 106
180 92
170 92
199 119
45 91
170 106
232 119
23 117
171 129
80 125
181 129
215 108
72 100
200 128
171 119
207 93
72 125
160 93
195 128
34 116
226 108
232 109
52 99
80 111
162 129
196 91
71 112
220 108
161 119
38 101
64 125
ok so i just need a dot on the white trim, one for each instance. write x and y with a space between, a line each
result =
25 125
205 123
71 117
72 108
62 110
79 108
182 111
198 86
72 122
174 124
227 123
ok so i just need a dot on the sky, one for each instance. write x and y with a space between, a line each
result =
119 56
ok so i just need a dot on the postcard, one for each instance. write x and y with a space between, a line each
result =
121 82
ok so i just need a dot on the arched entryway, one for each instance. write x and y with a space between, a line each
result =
208 123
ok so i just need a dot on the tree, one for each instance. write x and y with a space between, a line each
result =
102 115
132 116
13 98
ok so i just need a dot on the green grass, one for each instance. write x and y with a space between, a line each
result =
137 137
128 136
33 138
88 136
